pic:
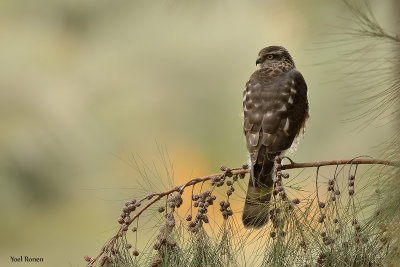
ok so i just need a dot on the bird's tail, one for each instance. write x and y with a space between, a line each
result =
256 206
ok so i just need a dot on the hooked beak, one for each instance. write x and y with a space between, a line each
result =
258 61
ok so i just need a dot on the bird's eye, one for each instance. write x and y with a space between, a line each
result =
270 57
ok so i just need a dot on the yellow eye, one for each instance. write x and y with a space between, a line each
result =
270 57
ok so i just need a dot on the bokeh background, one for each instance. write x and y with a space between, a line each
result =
84 85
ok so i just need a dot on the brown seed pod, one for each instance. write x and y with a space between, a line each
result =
135 253
120 220
296 201
134 229
128 246
125 210
272 234
351 192
321 205
131 207
87 258
161 209
225 214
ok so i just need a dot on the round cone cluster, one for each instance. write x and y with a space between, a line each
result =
175 201
225 209
124 218
201 201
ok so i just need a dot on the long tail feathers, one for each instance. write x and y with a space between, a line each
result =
256 207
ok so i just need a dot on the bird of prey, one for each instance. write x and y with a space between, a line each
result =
275 109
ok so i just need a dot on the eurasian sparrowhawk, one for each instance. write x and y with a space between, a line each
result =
275 111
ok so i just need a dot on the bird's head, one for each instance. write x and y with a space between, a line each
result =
272 56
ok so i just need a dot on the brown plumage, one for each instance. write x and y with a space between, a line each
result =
275 110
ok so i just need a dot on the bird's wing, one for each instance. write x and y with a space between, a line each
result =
275 108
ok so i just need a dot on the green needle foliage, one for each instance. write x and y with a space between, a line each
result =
381 91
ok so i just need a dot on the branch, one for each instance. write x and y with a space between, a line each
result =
356 161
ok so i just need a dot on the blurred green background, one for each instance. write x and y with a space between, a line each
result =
86 84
